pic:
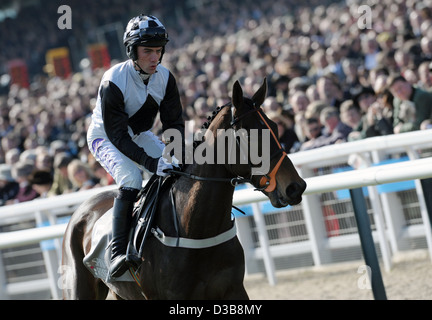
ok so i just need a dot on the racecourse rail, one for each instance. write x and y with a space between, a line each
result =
390 234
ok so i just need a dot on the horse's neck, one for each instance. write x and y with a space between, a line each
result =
206 206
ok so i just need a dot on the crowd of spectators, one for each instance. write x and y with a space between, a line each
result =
331 79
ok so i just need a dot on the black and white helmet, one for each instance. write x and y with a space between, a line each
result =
146 31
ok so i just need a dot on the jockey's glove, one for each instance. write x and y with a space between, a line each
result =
164 165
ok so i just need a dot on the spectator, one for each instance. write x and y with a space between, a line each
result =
335 131
374 74
81 176
319 64
351 81
58 146
201 107
334 63
426 47
329 90
312 93
270 104
28 155
198 115
299 102
314 109
370 49
41 181
8 186
287 135
350 114
61 182
12 156
364 99
281 88
425 78
21 172
261 43
403 59
298 84
377 119
312 129
385 41
43 161
411 105
8 142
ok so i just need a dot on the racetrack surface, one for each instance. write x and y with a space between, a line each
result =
409 279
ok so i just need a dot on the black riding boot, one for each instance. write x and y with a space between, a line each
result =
121 223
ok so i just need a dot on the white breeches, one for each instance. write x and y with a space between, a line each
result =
125 172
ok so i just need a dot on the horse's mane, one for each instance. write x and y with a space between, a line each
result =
206 124
214 114
210 119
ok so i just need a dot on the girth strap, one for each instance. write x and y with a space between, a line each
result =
179 242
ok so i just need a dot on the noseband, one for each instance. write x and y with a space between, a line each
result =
268 181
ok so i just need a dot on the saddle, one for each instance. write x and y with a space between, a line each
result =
97 260
142 218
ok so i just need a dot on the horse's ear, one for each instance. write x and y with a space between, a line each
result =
237 95
259 96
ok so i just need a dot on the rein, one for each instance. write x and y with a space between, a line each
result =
233 181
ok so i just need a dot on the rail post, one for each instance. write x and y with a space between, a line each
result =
367 243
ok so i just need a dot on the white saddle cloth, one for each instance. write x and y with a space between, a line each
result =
98 259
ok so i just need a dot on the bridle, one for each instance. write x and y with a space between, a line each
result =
267 182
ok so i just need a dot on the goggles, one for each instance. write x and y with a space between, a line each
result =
153 33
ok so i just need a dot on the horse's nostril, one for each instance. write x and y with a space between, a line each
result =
295 190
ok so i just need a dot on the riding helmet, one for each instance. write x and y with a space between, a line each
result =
144 30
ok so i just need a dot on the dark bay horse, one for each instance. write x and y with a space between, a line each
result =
203 198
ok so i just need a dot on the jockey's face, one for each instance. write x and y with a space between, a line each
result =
148 58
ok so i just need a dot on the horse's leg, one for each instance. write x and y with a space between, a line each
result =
83 286
76 281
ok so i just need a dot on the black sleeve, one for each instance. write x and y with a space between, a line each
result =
171 111
115 121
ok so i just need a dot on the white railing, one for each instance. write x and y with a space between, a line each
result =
369 150
415 169
406 142
391 232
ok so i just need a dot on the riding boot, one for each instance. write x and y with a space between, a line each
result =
121 223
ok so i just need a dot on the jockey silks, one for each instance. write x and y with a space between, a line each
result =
124 114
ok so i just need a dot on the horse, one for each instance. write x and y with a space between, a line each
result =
203 197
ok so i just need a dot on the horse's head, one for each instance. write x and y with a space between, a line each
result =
281 183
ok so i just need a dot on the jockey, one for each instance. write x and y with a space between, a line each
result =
130 95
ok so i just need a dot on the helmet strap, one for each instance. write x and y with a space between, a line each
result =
143 75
